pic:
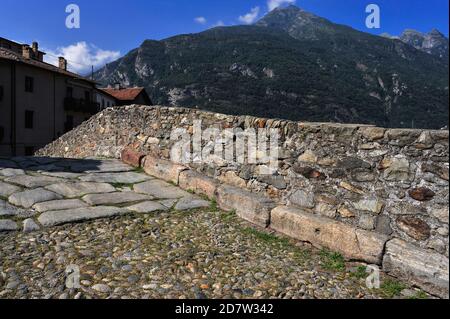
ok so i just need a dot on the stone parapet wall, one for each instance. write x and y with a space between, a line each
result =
389 182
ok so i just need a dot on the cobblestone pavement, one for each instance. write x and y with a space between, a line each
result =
144 238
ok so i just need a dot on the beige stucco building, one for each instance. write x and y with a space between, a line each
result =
39 102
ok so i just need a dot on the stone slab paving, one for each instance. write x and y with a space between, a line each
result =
160 189
9 172
114 198
116 178
59 205
73 190
28 198
7 190
132 236
32 181
60 217
52 191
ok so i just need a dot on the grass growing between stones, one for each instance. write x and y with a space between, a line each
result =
139 170
391 288
122 185
332 261
282 242
360 272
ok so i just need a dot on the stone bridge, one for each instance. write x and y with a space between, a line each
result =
373 195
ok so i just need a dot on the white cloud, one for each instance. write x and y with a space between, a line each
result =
201 20
81 56
250 17
219 23
273 4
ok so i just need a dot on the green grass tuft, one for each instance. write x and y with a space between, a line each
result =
391 288
332 261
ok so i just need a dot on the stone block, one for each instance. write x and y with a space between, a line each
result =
252 207
132 157
200 184
353 243
424 268
163 169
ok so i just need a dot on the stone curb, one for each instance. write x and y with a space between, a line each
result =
397 258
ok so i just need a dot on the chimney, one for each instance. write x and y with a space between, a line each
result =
62 63
35 47
26 51
117 86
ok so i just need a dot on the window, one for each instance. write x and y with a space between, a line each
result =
29 84
29 150
1 93
29 119
69 92
103 103
108 104
87 96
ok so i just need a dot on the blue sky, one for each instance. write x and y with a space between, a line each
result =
112 28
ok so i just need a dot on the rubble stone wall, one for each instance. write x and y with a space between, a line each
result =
390 182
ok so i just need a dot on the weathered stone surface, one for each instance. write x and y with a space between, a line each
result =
414 227
132 157
188 203
363 175
8 225
7 189
422 194
54 218
100 166
231 178
163 169
29 225
160 189
116 178
59 205
373 205
402 137
351 188
308 157
367 221
426 269
198 183
249 206
114 198
325 209
73 190
28 198
353 243
32 181
425 141
351 163
436 169
148 207
345 212
8 172
442 214
65 175
308 172
398 169
372 133
277 181
7 210
302 198
384 225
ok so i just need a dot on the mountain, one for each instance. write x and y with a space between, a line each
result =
433 43
293 65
